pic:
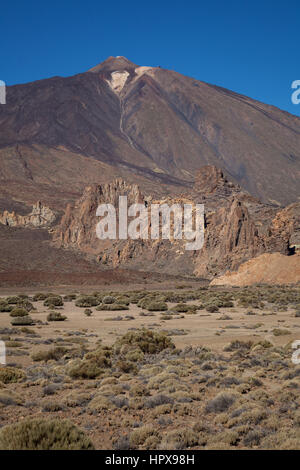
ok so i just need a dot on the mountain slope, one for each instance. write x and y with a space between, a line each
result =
155 124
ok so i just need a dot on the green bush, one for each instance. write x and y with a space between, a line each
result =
11 375
39 297
55 301
87 301
237 345
26 305
22 321
185 308
4 307
13 300
157 306
146 340
18 312
92 365
123 300
112 307
85 370
40 434
56 316
108 299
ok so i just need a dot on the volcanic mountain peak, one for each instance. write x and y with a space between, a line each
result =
150 123
113 64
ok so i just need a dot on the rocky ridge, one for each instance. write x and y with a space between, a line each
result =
238 228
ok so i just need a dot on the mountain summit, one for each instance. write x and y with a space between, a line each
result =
112 64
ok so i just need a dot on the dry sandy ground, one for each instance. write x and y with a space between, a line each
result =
202 328
269 268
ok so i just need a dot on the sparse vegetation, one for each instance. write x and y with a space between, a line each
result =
42 434
145 392
56 316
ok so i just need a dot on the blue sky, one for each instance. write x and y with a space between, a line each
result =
251 47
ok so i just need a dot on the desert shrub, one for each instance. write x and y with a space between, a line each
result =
88 312
9 398
74 399
157 306
100 356
53 354
108 299
26 305
11 375
126 366
146 340
22 321
179 439
4 307
99 403
85 370
56 316
212 308
253 438
119 401
139 390
135 355
40 296
69 297
28 331
158 400
86 301
55 301
112 307
18 312
13 300
265 344
237 345
122 299
226 304
13 344
50 389
52 407
139 436
40 434
220 403
93 364
185 308
121 443
280 332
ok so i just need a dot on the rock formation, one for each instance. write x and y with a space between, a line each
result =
238 228
40 216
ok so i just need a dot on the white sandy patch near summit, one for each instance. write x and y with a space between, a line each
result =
118 80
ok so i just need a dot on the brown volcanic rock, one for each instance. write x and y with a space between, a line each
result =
231 237
238 227
153 123
40 216
78 224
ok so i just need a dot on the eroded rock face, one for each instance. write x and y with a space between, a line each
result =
238 228
40 216
78 225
